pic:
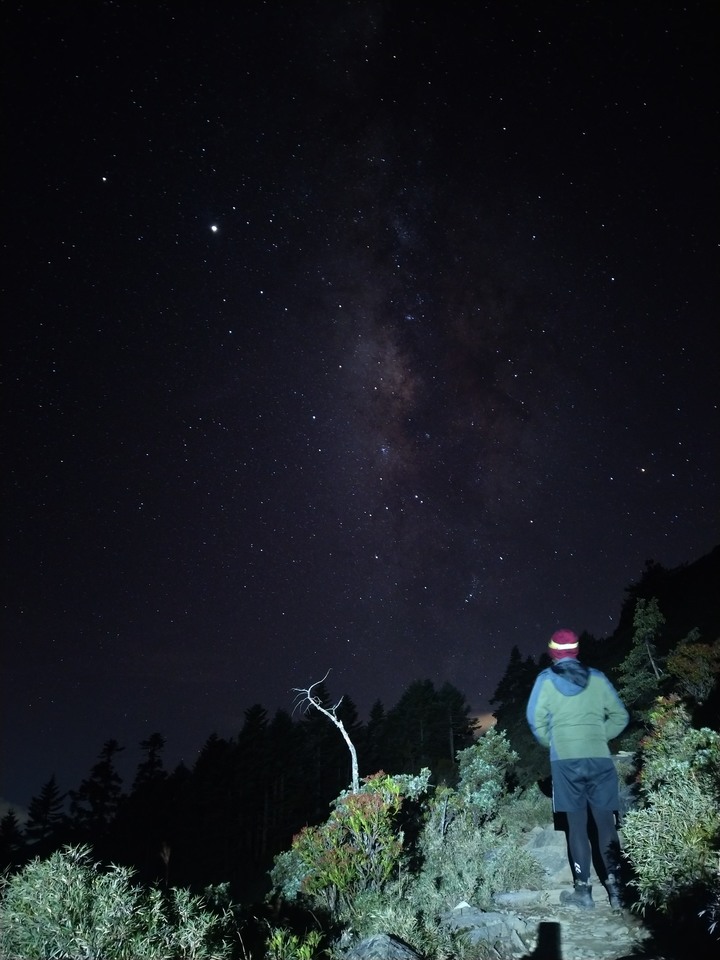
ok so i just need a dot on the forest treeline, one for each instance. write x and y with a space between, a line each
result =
245 797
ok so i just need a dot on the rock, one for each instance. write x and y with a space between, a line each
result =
519 899
382 947
549 847
501 930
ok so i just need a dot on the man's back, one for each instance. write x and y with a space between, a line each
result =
575 711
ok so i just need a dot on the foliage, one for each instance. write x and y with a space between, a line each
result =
396 914
355 850
462 861
67 906
639 673
673 838
694 667
467 851
464 853
525 808
485 771
284 945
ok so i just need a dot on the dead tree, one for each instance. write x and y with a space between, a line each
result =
306 699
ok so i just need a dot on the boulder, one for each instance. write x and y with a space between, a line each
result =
382 947
500 930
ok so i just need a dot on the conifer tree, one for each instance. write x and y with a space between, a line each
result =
46 819
372 752
639 674
150 769
94 805
12 842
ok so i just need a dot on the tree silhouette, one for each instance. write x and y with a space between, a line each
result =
204 851
252 788
372 753
426 728
95 803
150 769
511 697
46 823
12 842
143 824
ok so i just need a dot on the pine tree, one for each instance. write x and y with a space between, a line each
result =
251 785
511 696
150 769
639 674
46 821
372 750
95 803
12 842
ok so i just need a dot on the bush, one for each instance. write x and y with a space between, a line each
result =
356 850
282 944
486 775
673 838
68 907
465 852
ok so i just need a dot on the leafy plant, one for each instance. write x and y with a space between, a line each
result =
673 838
68 907
284 945
694 667
355 850
485 771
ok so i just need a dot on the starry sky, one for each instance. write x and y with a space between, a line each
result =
363 336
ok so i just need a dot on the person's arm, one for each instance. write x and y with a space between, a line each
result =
616 716
537 715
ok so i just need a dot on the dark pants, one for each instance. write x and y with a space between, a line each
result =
579 841
579 786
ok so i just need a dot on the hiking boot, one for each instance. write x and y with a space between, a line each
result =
613 891
581 896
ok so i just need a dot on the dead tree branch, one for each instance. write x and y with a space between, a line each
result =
306 698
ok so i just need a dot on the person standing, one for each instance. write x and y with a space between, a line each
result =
575 711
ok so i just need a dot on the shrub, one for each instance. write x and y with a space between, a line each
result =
694 667
524 809
485 775
673 838
284 945
68 907
355 850
361 867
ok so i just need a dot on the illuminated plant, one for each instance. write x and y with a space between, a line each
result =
68 906
356 850
673 838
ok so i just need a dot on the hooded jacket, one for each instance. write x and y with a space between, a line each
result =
575 710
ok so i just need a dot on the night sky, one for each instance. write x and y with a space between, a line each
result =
365 336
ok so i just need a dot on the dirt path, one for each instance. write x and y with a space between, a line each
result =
565 933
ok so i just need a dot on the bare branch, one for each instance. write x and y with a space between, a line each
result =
306 698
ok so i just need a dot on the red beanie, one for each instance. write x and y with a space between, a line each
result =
563 643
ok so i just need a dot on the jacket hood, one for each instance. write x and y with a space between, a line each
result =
569 676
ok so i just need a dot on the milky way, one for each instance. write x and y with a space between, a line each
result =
341 336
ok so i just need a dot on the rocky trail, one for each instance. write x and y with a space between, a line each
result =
534 925
557 932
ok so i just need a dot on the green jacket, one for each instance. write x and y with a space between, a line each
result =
575 710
